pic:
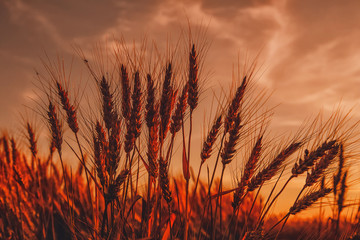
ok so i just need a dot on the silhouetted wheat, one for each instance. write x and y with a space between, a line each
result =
141 133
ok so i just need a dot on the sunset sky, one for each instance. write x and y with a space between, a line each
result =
309 52
308 49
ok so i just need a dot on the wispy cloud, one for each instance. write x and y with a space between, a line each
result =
309 49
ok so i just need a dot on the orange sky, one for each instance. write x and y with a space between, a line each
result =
309 51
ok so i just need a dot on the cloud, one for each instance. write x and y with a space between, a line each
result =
230 8
309 49
312 61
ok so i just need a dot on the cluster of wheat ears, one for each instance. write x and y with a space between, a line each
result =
144 118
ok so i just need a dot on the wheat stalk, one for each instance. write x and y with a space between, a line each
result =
235 105
248 172
308 200
69 109
135 116
310 158
73 125
153 143
99 162
210 140
180 108
303 165
109 112
268 172
114 147
166 102
114 187
320 167
55 126
337 177
164 181
32 140
125 93
193 82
